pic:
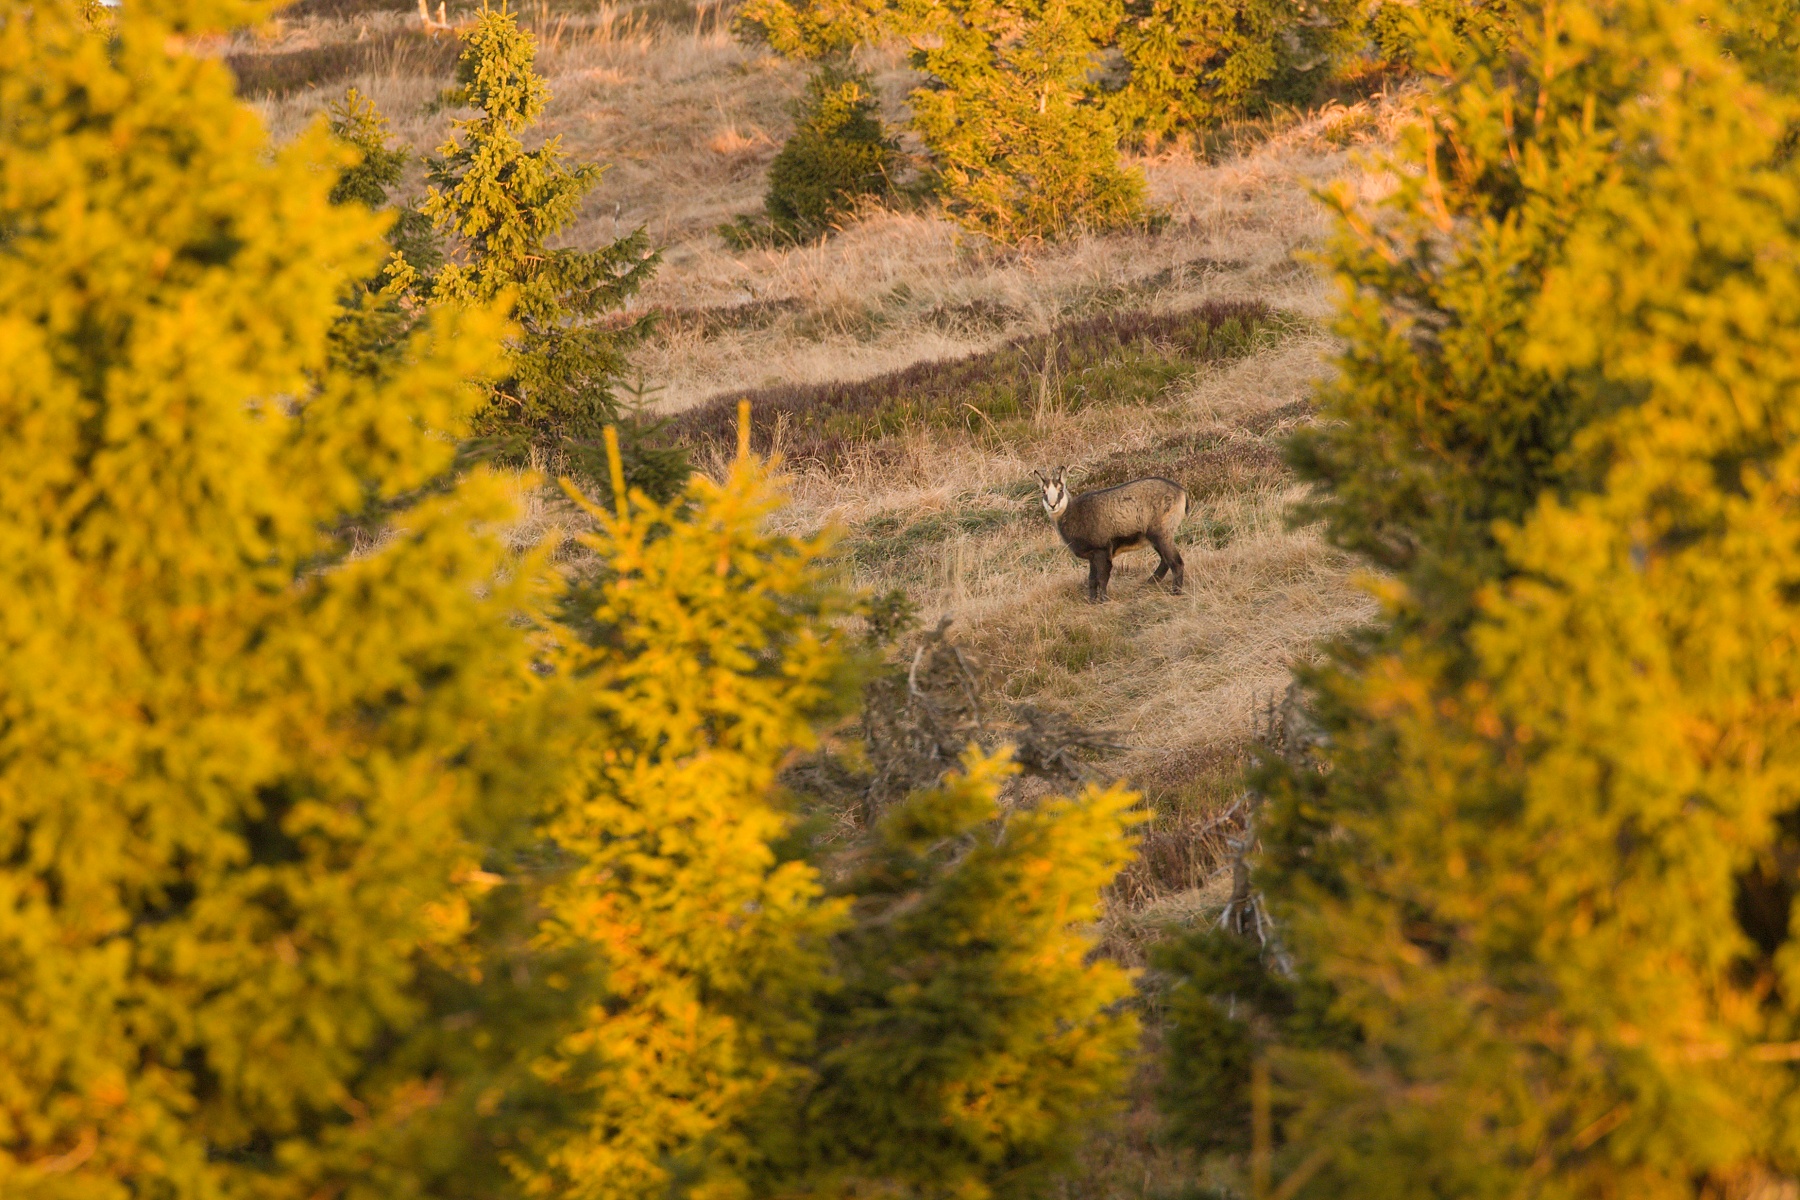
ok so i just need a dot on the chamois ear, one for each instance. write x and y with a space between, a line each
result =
1059 473
1040 476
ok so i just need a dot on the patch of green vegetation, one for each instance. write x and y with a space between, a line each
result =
1212 533
1082 646
1132 293
1112 359
887 539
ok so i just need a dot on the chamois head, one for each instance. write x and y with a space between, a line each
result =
1056 492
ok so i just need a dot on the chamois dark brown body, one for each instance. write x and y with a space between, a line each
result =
1101 525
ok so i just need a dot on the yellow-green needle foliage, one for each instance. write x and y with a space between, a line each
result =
838 156
972 1036
1021 146
356 122
1394 29
751 1035
1539 908
329 866
716 655
239 770
1021 115
1194 63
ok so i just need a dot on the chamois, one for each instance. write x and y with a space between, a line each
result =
1100 526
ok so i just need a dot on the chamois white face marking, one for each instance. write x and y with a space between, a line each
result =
1056 494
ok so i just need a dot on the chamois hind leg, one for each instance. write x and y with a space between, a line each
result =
1099 574
1171 557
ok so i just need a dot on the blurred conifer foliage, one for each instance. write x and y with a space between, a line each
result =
240 775
1533 883
335 865
1393 29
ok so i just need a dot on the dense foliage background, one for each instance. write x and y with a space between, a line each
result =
348 852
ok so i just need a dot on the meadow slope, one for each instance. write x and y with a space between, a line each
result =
688 121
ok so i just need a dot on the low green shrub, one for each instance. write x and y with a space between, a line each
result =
840 155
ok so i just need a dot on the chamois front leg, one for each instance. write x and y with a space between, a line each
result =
1099 573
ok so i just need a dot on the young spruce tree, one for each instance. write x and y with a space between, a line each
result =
355 121
501 205
840 154
1021 144
781 1051
969 1037
1535 913
1193 63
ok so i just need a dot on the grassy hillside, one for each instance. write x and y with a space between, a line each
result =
913 375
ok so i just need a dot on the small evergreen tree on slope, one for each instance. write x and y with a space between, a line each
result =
1021 146
380 312
355 121
1194 63
1025 102
970 1038
357 875
1538 907
501 205
838 155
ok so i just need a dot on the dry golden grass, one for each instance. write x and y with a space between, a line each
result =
958 526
